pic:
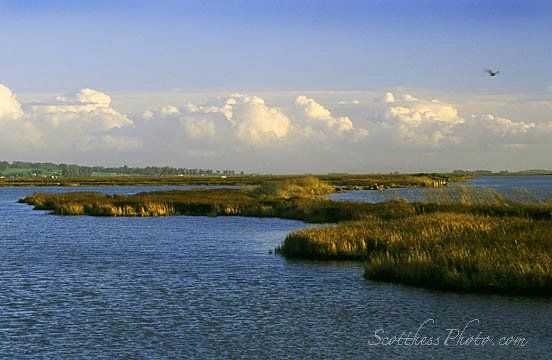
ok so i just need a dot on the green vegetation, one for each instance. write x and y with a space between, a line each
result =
29 169
27 172
24 169
461 239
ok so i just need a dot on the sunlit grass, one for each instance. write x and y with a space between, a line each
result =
294 187
444 250
466 239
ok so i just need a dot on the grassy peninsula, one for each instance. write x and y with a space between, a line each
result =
458 239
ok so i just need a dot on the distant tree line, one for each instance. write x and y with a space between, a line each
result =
71 170
476 172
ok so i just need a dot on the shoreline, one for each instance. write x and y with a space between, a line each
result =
364 181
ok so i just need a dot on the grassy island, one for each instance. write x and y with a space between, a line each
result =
459 239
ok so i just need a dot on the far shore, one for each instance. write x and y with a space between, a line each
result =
344 181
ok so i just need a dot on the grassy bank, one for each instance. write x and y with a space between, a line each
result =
465 240
441 250
461 239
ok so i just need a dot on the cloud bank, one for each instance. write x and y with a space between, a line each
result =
247 129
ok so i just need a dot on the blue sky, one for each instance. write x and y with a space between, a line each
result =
275 45
320 83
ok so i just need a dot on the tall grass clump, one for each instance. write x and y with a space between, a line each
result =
97 204
463 195
486 201
294 187
446 251
477 196
467 253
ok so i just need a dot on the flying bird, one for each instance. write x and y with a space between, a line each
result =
492 73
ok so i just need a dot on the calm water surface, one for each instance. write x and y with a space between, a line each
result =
180 287
539 185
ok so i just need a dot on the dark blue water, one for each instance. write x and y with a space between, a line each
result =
541 186
199 287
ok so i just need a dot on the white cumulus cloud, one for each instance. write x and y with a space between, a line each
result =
317 122
413 110
407 121
10 108
241 128
82 122
256 123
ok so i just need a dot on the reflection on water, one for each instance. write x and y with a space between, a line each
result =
175 287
